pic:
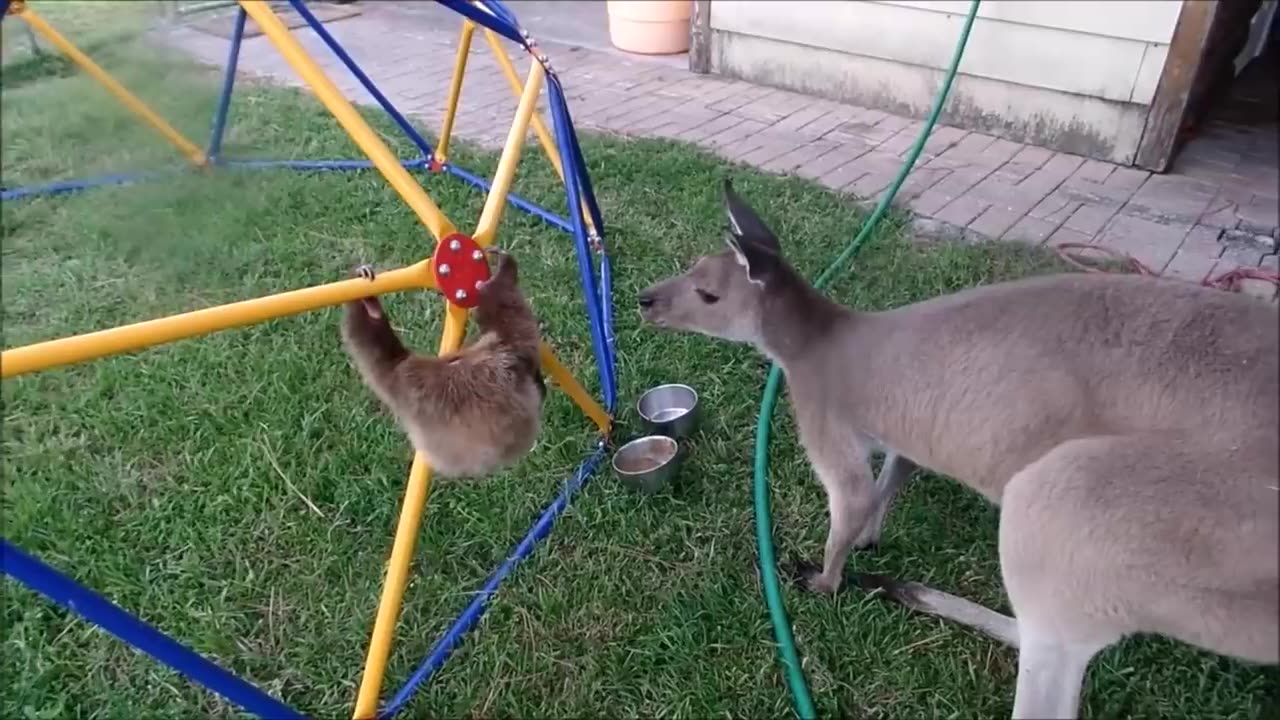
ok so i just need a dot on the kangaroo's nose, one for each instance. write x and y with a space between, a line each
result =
646 300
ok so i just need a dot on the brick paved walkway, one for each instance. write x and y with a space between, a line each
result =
1217 210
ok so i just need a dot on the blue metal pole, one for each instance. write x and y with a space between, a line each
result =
78 599
346 59
483 19
67 186
228 83
564 139
606 272
315 164
606 305
580 164
515 200
473 612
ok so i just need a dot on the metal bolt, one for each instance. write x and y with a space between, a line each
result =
455 245
478 284
477 255
444 269
460 295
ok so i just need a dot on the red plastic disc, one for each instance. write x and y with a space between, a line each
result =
459 265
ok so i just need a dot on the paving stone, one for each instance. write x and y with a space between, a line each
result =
797 121
918 181
873 162
1090 218
824 124
774 107
1221 213
1029 230
656 110
688 116
709 128
958 182
941 139
902 141
1202 240
995 221
734 101
964 152
1190 266
845 152
1151 243
962 211
1258 215
863 131
1054 172
871 185
1244 247
1095 170
734 137
1055 208
1066 235
1174 197
1025 161
789 161
772 145
628 111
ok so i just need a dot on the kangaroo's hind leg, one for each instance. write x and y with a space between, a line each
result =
1155 533
893 475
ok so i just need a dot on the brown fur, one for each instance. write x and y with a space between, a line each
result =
471 412
1127 426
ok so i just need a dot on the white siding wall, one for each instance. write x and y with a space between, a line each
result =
1084 69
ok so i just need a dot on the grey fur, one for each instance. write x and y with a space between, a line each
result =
1127 427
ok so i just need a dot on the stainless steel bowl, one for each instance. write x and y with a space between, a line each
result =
647 464
670 410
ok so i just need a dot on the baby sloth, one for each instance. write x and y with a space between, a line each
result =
470 412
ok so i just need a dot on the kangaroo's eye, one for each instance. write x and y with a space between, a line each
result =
707 297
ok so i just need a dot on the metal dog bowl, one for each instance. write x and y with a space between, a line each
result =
670 410
647 464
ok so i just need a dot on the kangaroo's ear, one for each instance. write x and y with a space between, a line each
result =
754 244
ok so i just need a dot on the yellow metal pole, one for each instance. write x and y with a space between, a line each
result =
562 377
126 98
455 90
496 200
539 127
545 138
415 501
78 348
349 118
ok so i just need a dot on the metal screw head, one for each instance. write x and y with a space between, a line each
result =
460 295
455 245
477 255
478 284
444 269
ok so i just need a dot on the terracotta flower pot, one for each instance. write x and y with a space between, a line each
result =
650 27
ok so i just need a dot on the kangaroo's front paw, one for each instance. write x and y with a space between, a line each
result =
808 576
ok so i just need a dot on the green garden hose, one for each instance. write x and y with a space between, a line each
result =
800 697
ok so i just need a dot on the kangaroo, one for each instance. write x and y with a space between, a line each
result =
471 412
1126 426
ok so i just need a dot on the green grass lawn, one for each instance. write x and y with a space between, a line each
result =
173 480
